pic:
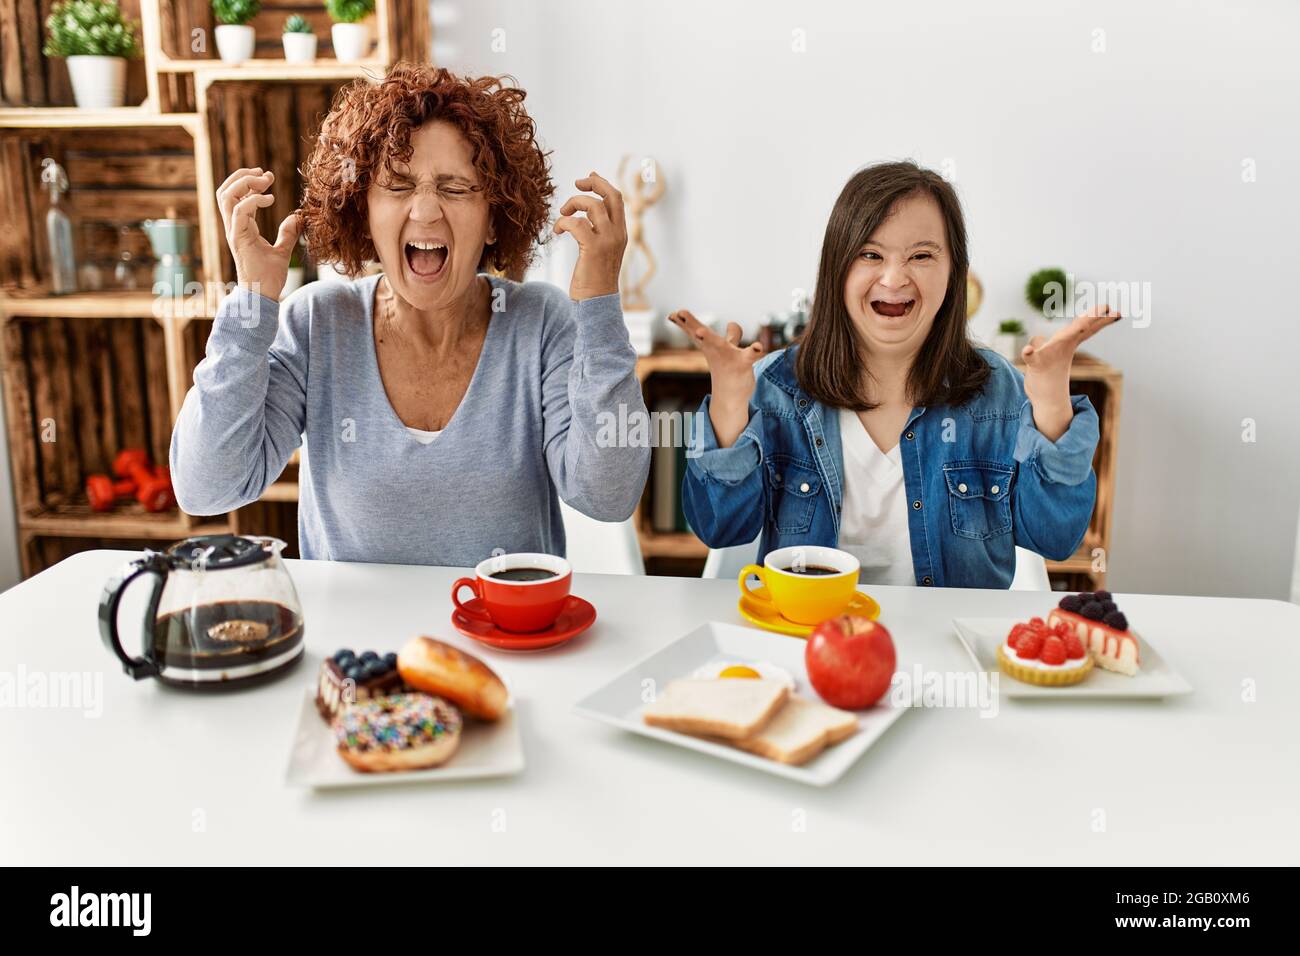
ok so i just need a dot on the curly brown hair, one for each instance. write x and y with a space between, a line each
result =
369 128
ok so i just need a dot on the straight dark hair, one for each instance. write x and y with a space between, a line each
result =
832 356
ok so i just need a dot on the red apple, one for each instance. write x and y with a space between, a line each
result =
850 661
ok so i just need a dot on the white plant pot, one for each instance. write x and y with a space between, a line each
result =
235 42
299 47
98 82
1009 345
351 41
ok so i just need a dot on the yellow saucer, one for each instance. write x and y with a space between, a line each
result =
754 612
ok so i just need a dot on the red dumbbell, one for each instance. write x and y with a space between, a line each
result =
153 486
103 491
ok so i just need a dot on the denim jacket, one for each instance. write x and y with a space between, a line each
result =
980 478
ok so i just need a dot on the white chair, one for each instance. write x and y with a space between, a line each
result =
1031 569
1031 572
601 547
727 562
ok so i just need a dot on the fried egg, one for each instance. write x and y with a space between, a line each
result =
752 670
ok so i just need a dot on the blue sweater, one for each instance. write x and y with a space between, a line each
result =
277 375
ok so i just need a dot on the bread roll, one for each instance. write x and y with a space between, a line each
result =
446 671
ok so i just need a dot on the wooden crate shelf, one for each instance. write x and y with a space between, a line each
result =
119 175
125 521
38 551
28 78
70 117
106 305
672 362
109 369
78 391
184 25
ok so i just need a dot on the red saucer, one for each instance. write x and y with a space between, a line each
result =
577 616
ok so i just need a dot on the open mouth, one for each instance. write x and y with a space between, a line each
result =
426 259
892 310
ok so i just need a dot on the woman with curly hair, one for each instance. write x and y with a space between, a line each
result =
443 410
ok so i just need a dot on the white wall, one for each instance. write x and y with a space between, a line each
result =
1123 165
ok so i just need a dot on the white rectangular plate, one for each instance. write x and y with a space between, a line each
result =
619 702
1155 678
486 750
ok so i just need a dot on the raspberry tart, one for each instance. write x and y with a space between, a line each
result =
1103 628
1038 653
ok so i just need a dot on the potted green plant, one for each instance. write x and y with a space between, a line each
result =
96 41
1010 340
1047 291
350 33
236 39
299 41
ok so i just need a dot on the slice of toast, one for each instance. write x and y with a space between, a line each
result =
733 708
800 731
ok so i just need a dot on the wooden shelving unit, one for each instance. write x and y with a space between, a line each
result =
1084 570
87 374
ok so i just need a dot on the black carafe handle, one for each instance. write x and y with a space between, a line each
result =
137 667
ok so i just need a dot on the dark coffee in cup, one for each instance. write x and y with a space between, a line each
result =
522 574
523 592
811 569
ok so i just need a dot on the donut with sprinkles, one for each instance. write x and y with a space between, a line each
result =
397 732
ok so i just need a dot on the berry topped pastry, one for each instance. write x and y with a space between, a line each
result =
348 678
1102 627
1038 653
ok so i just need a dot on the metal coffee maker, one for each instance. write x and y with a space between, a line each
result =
171 239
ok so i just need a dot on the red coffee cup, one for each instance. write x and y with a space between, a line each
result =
517 592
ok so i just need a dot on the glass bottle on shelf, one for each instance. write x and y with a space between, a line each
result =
58 231
124 269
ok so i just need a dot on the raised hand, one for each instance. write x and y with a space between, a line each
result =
1047 369
731 373
259 265
601 237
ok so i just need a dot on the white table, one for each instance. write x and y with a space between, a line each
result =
167 776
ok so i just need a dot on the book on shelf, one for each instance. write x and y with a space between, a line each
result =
664 474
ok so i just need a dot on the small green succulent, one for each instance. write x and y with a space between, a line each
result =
1011 327
349 11
297 24
1044 285
90 28
235 12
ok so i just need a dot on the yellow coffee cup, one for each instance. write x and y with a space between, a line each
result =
805 584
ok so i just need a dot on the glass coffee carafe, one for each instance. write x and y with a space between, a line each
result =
223 612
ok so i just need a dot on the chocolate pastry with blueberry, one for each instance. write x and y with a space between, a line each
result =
349 678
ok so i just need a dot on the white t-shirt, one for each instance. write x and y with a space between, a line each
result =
873 522
422 436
